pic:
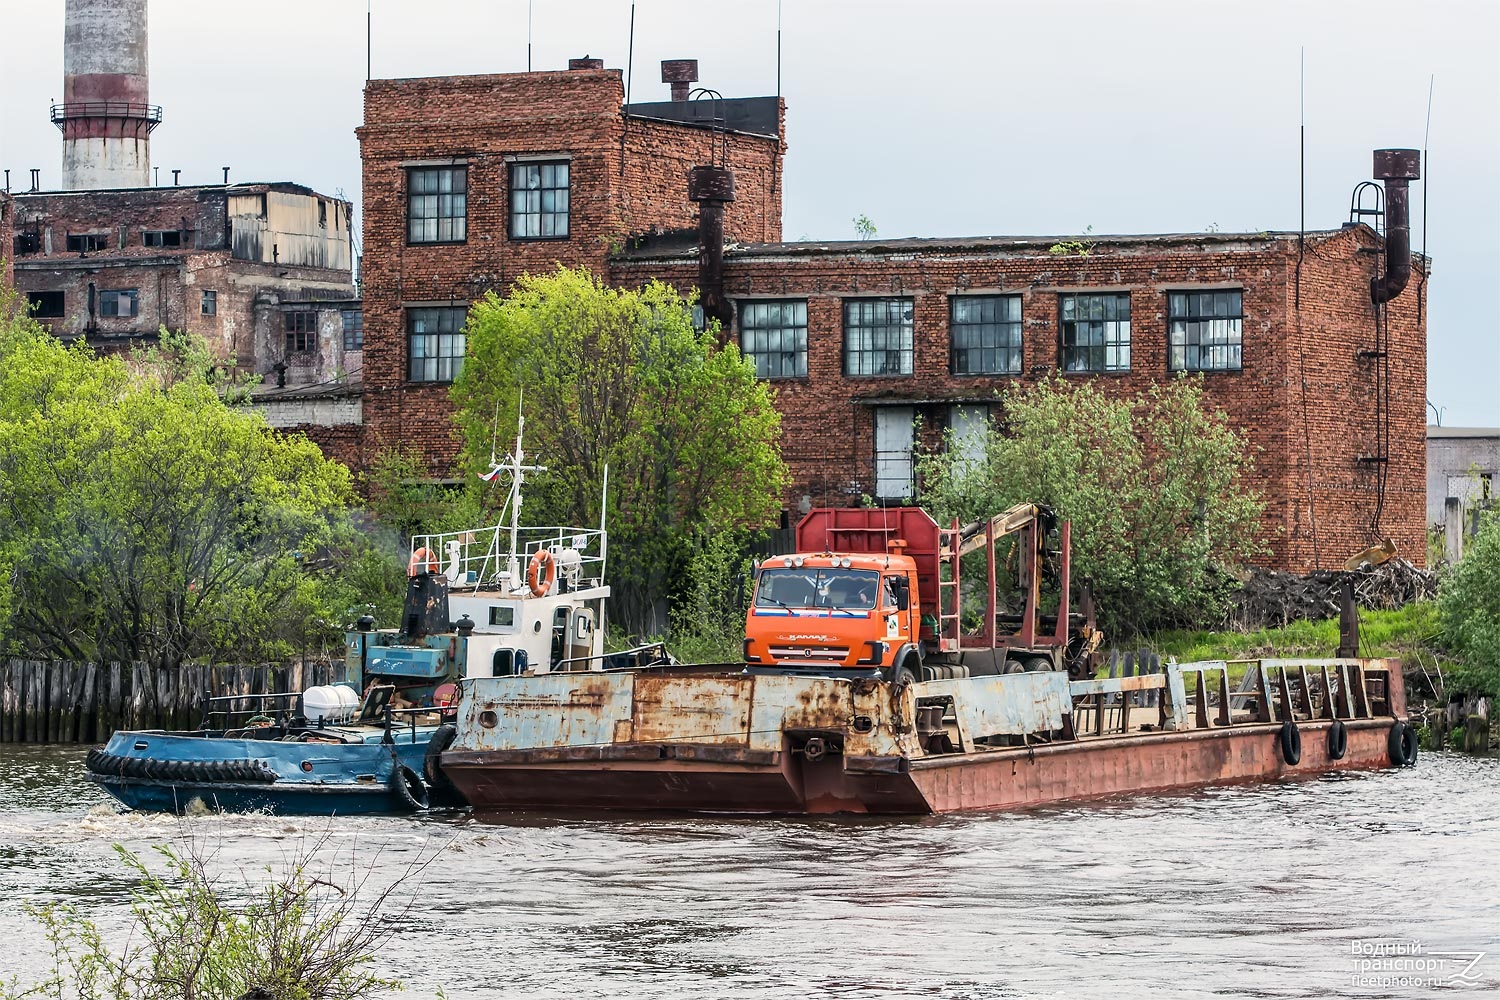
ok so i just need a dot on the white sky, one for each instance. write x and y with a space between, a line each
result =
932 117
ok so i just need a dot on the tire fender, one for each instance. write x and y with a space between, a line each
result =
1290 739
432 764
1402 745
1338 740
408 789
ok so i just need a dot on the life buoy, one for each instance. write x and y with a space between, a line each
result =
1291 743
1338 740
1402 744
541 572
422 561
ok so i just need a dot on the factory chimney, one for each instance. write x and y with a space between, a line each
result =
1396 168
106 118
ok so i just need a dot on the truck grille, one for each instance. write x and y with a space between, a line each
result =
811 654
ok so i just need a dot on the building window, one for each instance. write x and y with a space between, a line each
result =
161 238
436 339
539 201
877 336
1204 331
437 204
45 305
895 435
1096 333
354 329
208 304
87 242
322 215
119 302
301 331
985 331
774 336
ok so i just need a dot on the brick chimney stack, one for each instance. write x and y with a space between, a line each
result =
106 116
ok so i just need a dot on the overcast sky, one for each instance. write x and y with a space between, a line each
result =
932 117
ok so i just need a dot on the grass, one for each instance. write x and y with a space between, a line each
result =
1381 633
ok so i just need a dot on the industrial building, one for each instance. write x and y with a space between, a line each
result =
262 271
1313 344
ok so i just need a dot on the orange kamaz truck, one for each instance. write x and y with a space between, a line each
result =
888 590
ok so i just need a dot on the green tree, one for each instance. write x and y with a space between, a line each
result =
1469 611
141 518
620 378
1152 485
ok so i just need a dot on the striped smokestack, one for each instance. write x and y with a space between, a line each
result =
106 116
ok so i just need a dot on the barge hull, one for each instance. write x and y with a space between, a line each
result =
989 780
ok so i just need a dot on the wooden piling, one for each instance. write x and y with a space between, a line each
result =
8 702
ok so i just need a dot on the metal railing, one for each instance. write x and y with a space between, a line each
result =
73 110
482 558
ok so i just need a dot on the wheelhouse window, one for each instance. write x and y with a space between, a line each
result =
119 302
985 331
1204 331
437 204
539 201
1095 332
436 340
773 334
208 304
301 331
878 336
354 329
87 242
161 238
45 305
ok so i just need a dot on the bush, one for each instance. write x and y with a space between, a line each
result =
1469 610
1152 486
708 617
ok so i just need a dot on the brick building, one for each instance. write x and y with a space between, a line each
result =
469 181
7 237
251 267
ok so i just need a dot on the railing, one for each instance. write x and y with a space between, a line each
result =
72 110
482 558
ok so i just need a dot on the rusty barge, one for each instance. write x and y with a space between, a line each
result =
721 739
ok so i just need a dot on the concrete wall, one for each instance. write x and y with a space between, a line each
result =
1458 460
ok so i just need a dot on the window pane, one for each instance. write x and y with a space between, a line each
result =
539 202
1095 332
435 342
436 206
878 336
985 334
773 335
1204 330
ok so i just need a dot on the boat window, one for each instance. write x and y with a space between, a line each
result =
502 615
509 662
809 587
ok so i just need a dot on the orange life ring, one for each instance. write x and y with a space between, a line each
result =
541 573
422 561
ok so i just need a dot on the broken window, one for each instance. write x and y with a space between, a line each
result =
209 304
45 305
322 215
1095 332
27 243
436 340
985 332
1204 331
878 336
354 329
161 238
437 204
87 242
119 302
539 201
773 334
301 331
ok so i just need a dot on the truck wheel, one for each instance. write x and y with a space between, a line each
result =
1013 667
1036 664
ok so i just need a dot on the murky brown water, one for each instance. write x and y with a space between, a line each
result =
1246 892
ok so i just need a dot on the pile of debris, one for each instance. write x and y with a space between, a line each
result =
1271 599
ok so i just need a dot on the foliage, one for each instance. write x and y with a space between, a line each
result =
1152 486
404 497
1469 609
143 519
619 378
296 935
1403 632
708 617
864 228
1074 248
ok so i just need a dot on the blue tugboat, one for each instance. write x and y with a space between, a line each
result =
529 600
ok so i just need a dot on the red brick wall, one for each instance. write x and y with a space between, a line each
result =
829 434
7 239
483 120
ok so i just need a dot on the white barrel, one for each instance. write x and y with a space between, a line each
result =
329 702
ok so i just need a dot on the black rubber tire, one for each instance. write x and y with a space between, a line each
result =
1402 744
1013 667
432 763
900 674
408 789
1338 740
1037 664
1290 739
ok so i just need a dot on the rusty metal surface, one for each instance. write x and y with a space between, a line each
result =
545 710
700 709
1007 705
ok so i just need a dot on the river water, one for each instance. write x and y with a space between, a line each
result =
1266 891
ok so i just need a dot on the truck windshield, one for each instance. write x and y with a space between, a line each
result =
809 587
